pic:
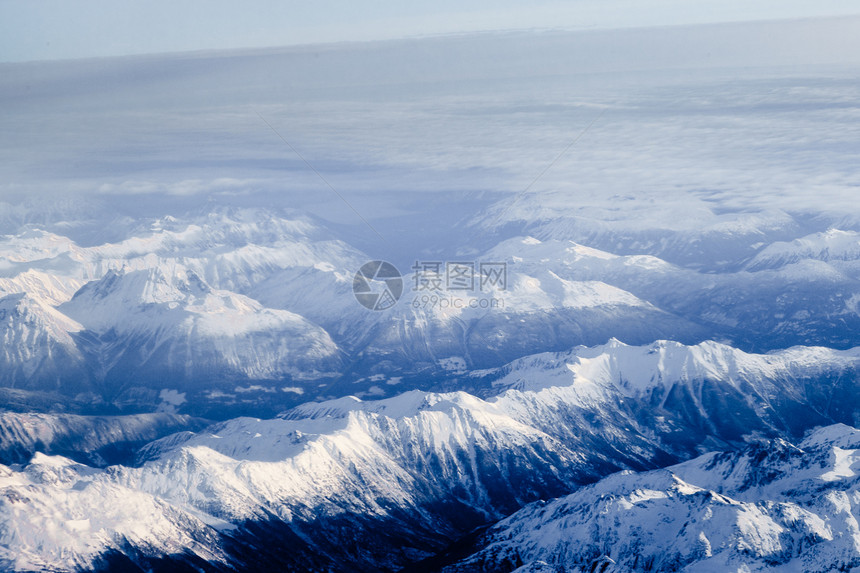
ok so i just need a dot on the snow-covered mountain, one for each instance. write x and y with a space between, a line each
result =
360 492
236 296
38 349
674 400
806 301
168 324
95 440
686 230
163 309
538 310
374 485
773 506
50 289
232 249
829 246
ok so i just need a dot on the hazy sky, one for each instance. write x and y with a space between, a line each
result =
59 29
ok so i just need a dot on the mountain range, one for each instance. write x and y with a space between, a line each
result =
376 485
233 307
659 372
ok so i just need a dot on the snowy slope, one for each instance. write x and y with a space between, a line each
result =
232 249
770 507
166 321
271 271
422 477
38 346
144 319
96 440
537 310
51 289
50 521
171 302
830 245
808 301
684 228
367 485
637 370
675 398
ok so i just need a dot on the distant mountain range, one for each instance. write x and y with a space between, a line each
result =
248 310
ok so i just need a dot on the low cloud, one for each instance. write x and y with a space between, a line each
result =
183 188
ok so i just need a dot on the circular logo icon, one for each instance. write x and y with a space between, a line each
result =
377 285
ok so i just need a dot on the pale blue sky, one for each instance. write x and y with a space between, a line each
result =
60 29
